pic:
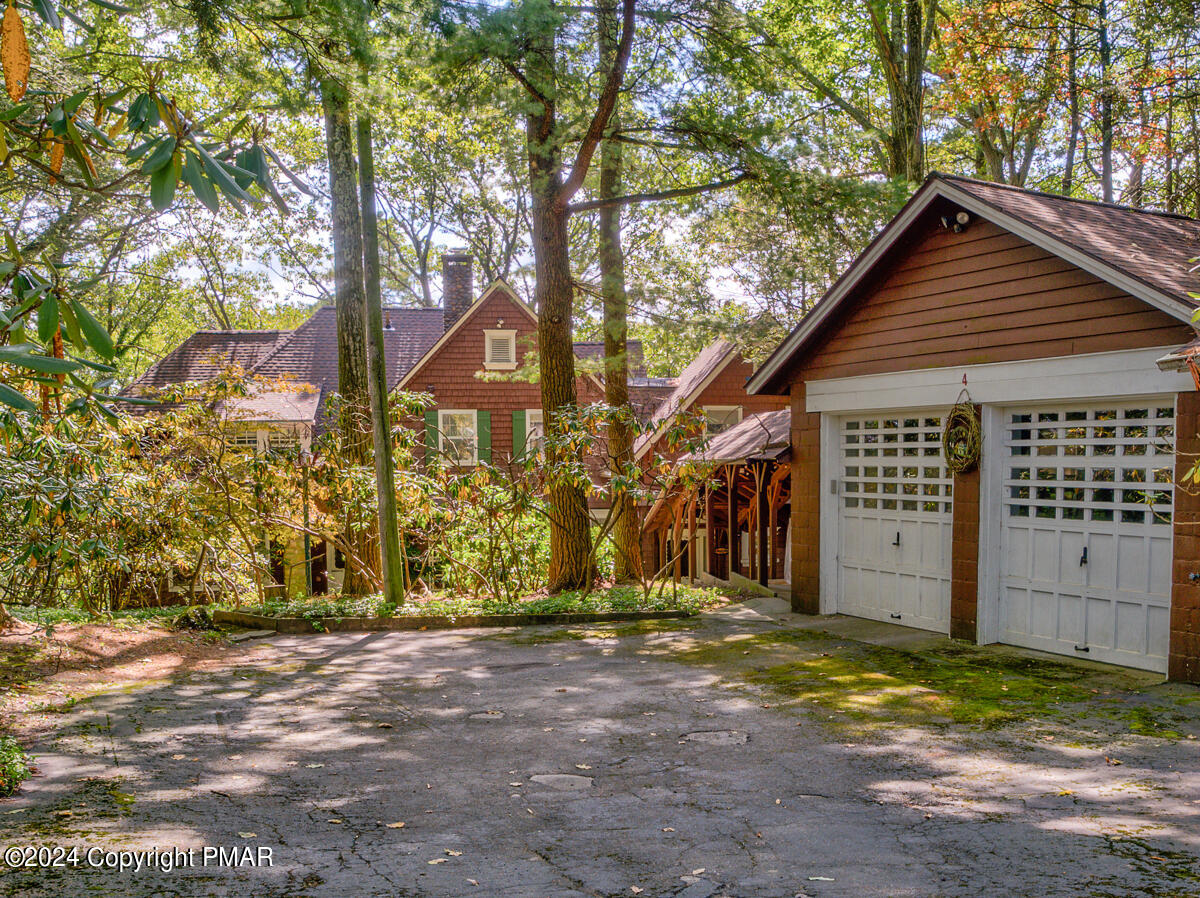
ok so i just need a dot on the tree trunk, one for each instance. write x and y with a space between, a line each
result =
1107 96
351 325
392 569
1072 102
627 561
570 526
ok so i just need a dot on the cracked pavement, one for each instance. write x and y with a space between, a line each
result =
654 777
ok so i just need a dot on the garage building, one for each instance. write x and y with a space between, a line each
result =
1065 326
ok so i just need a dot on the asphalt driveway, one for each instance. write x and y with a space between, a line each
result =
726 757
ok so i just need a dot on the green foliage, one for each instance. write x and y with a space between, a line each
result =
687 600
14 766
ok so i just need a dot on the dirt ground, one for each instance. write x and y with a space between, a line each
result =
43 674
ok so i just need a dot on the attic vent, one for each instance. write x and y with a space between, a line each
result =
500 348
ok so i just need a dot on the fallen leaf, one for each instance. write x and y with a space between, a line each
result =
313 766
333 820
668 829
453 853
515 785
248 835
178 757
1065 792
398 825
697 871
437 860
636 890
384 726
1114 762
583 766
473 882
821 879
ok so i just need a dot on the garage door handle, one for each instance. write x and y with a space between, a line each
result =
895 617
1083 557
897 542
1082 648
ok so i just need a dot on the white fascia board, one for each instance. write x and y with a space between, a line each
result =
1131 372
855 273
1086 262
917 205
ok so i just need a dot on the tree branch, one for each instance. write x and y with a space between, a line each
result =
604 108
658 195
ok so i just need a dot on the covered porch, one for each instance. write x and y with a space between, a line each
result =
734 528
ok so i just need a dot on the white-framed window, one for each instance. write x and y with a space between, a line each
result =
535 430
244 440
458 440
719 418
282 440
500 350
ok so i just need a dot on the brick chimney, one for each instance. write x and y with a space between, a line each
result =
458 285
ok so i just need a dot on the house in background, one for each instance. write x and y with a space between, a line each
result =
1049 316
692 532
441 351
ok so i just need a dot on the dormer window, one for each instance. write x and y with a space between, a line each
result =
500 350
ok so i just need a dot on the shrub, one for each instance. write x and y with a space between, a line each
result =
14 766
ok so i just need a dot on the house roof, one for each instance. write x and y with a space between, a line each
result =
204 354
310 352
1145 253
282 405
688 386
763 435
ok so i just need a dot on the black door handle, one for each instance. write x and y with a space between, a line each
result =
1083 557
897 542
895 617
1082 648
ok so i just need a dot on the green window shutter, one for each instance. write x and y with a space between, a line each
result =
431 435
483 430
518 433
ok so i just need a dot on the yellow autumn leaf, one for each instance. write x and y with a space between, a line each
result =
14 54
56 159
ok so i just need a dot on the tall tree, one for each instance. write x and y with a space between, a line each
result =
350 300
627 564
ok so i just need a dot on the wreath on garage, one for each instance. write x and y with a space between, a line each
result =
962 437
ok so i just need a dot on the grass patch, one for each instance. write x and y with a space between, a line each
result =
877 683
688 599
131 618
595 631
14 766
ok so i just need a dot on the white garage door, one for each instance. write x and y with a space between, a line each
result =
1086 545
895 522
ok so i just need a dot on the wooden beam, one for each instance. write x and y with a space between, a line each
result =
764 515
710 531
692 538
677 537
735 555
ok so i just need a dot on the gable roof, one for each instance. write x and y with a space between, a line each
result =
1147 254
584 350
702 371
204 354
310 352
763 435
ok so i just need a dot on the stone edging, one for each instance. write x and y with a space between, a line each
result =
433 622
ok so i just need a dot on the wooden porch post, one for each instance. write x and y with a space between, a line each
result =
692 537
678 535
735 555
710 533
764 514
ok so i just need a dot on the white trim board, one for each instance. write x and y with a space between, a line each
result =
649 439
933 188
1130 372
